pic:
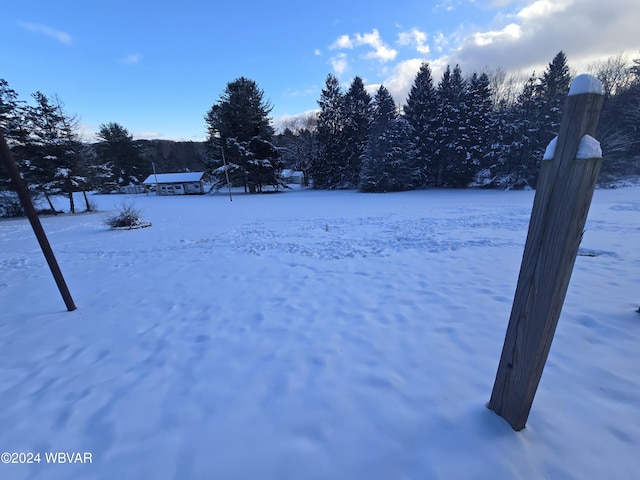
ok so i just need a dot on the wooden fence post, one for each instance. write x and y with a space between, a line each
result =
25 198
563 196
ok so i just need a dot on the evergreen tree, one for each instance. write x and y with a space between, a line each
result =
355 133
522 149
480 121
329 168
119 161
385 166
239 127
526 127
12 125
553 89
420 113
451 164
540 113
11 115
55 160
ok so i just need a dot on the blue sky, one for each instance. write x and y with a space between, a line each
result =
157 67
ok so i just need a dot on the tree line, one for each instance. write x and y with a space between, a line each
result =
53 160
486 129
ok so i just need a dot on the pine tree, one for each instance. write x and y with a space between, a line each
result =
386 167
480 121
12 125
55 159
11 120
540 107
523 149
553 89
11 115
119 161
329 166
357 111
239 127
420 113
451 164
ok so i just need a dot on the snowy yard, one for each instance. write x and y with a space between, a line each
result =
313 335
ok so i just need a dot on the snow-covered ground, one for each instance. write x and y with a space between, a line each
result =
313 335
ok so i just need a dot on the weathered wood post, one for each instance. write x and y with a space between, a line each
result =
7 160
563 196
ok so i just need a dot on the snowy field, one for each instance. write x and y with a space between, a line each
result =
313 335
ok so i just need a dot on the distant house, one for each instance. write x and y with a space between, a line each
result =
292 176
297 177
188 183
132 189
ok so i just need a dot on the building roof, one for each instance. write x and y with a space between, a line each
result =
173 178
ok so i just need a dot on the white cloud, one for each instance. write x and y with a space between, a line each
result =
342 42
441 42
132 59
414 37
528 38
523 37
509 33
317 52
58 35
542 9
380 50
382 53
339 63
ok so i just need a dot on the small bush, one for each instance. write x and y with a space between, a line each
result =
127 217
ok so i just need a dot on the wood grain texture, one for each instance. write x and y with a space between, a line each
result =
560 208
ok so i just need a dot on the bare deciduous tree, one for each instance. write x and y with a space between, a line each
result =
614 73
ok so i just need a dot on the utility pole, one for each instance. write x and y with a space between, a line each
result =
226 172
155 175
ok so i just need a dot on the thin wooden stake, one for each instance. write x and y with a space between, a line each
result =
25 198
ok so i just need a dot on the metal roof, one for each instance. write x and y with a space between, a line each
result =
173 178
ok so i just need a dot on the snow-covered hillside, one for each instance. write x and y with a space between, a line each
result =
313 335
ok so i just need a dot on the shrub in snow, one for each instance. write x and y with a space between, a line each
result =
505 181
128 217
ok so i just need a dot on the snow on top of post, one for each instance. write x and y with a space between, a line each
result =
589 148
586 83
550 151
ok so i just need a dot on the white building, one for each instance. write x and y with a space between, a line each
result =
188 183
